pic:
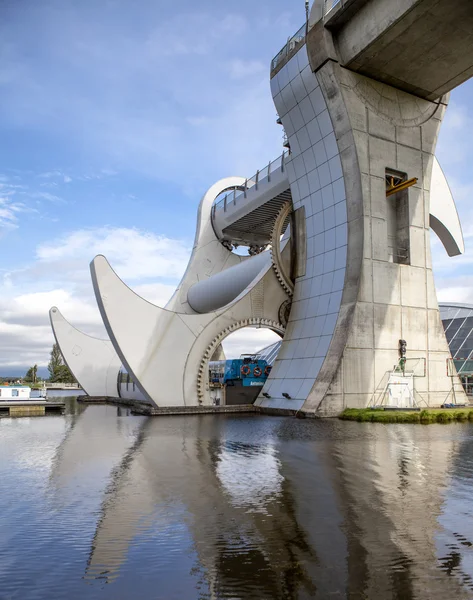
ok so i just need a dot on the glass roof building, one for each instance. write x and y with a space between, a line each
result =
457 320
458 323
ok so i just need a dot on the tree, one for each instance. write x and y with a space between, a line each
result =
31 374
55 361
58 371
65 375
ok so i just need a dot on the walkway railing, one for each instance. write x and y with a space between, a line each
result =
53 386
329 4
290 45
261 177
299 37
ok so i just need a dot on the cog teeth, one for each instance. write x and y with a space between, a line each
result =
278 268
285 287
201 374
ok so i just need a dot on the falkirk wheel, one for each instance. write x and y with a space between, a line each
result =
339 263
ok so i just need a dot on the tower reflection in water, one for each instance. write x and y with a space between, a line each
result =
240 507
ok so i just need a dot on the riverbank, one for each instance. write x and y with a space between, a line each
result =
424 417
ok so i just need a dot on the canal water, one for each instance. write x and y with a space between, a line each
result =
99 504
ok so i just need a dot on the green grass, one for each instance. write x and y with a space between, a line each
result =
431 415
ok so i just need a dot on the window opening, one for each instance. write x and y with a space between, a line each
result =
397 195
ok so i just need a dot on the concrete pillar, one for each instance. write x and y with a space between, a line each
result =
379 128
368 279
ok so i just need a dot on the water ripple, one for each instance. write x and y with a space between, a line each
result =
100 505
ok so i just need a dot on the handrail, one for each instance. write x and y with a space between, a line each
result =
254 181
291 43
299 36
329 4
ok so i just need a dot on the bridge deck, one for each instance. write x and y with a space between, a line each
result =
246 217
423 47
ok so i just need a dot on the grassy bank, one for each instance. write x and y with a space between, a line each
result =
430 415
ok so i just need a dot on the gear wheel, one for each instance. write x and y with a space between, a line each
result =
254 322
284 312
278 266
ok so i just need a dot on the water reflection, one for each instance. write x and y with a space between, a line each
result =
394 504
231 498
249 474
252 507
455 538
93 439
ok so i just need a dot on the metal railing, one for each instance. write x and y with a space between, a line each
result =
329 4
52 386
293 42
298 38
261 177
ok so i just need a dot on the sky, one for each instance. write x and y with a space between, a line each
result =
115 118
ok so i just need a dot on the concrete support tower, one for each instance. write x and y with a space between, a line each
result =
338 230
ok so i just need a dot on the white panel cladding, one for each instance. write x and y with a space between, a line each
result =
316 179
93 361
444 218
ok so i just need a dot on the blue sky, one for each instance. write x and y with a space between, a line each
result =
115 118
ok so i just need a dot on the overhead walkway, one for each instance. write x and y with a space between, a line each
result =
423 47
245 216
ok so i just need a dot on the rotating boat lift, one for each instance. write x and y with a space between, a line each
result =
318 223
220 293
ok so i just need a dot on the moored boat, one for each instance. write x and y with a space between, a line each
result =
12 392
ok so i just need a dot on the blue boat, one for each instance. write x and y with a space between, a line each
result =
238 380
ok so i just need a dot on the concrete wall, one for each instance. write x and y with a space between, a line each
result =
423 47
348 314
378 127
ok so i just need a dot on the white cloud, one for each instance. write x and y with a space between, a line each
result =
462 294
134 254
30 309
128 99
9 213
247 341
26 194
47 196
164 95
49 184
60 276
157 293
50 174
